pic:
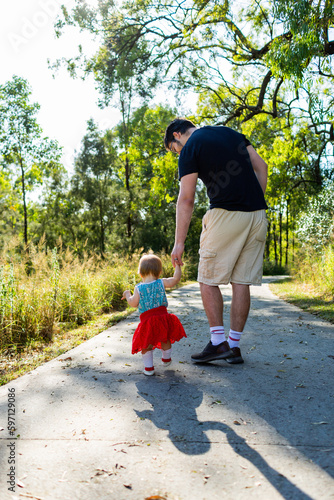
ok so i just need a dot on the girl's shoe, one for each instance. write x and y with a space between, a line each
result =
149 371
166 362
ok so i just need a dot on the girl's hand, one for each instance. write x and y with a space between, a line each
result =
133 300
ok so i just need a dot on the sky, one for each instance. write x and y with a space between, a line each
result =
27 40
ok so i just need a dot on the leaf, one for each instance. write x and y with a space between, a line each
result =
236 422
320 423
155 497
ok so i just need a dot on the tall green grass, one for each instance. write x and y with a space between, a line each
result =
316 269
40 290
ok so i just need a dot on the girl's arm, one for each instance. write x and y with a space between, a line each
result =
132 300
170 282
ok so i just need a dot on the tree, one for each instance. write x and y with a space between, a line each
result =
253 58
316 224
189 42
29 157
96 182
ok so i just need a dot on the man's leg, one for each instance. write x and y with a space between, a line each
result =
238 317
213 304
239 307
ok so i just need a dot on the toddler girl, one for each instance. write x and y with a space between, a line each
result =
157 327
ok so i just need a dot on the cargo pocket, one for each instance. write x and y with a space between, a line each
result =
262 230
207 264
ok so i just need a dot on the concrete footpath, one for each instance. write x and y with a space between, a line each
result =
90 425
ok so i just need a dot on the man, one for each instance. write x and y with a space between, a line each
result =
234 228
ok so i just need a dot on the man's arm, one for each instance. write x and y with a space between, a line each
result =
184 210
260 167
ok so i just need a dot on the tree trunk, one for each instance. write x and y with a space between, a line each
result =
280 239
24 204
127 185
102 230
267 253
287 234
275 243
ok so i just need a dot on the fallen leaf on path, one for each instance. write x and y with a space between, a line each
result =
128 486
236 422
320 423
156 497
66 359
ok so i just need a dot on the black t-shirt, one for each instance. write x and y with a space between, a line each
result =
219 155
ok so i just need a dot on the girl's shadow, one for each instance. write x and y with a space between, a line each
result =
174 404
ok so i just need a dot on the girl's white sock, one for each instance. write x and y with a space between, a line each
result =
166 356
148 360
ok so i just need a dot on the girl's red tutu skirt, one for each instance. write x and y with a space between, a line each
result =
156 325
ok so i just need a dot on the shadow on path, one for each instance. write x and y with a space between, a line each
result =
174 402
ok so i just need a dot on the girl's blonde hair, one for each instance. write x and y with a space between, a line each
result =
150 264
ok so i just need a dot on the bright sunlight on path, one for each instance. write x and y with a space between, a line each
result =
91 425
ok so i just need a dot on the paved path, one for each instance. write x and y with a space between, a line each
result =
92 426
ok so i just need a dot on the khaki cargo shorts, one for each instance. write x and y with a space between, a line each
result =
231 247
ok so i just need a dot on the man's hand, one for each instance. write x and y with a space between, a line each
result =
176 254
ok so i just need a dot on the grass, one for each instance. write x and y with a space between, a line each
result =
61 302
306 296
14 364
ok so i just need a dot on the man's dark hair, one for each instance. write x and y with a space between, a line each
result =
178 125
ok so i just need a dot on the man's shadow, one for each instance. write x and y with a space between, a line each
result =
174 402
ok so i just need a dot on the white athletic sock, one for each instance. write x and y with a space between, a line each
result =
148 360
166 355
233 338
217 335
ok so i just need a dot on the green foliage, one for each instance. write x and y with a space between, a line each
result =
305 24
315 227
25 154
316 269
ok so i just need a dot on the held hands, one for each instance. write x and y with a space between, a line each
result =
176 255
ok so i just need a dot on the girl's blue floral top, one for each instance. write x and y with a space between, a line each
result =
151 295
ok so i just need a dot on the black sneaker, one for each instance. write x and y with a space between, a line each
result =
212 352
236 357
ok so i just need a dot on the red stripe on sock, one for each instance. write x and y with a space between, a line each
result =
150 369
166 360
235 340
